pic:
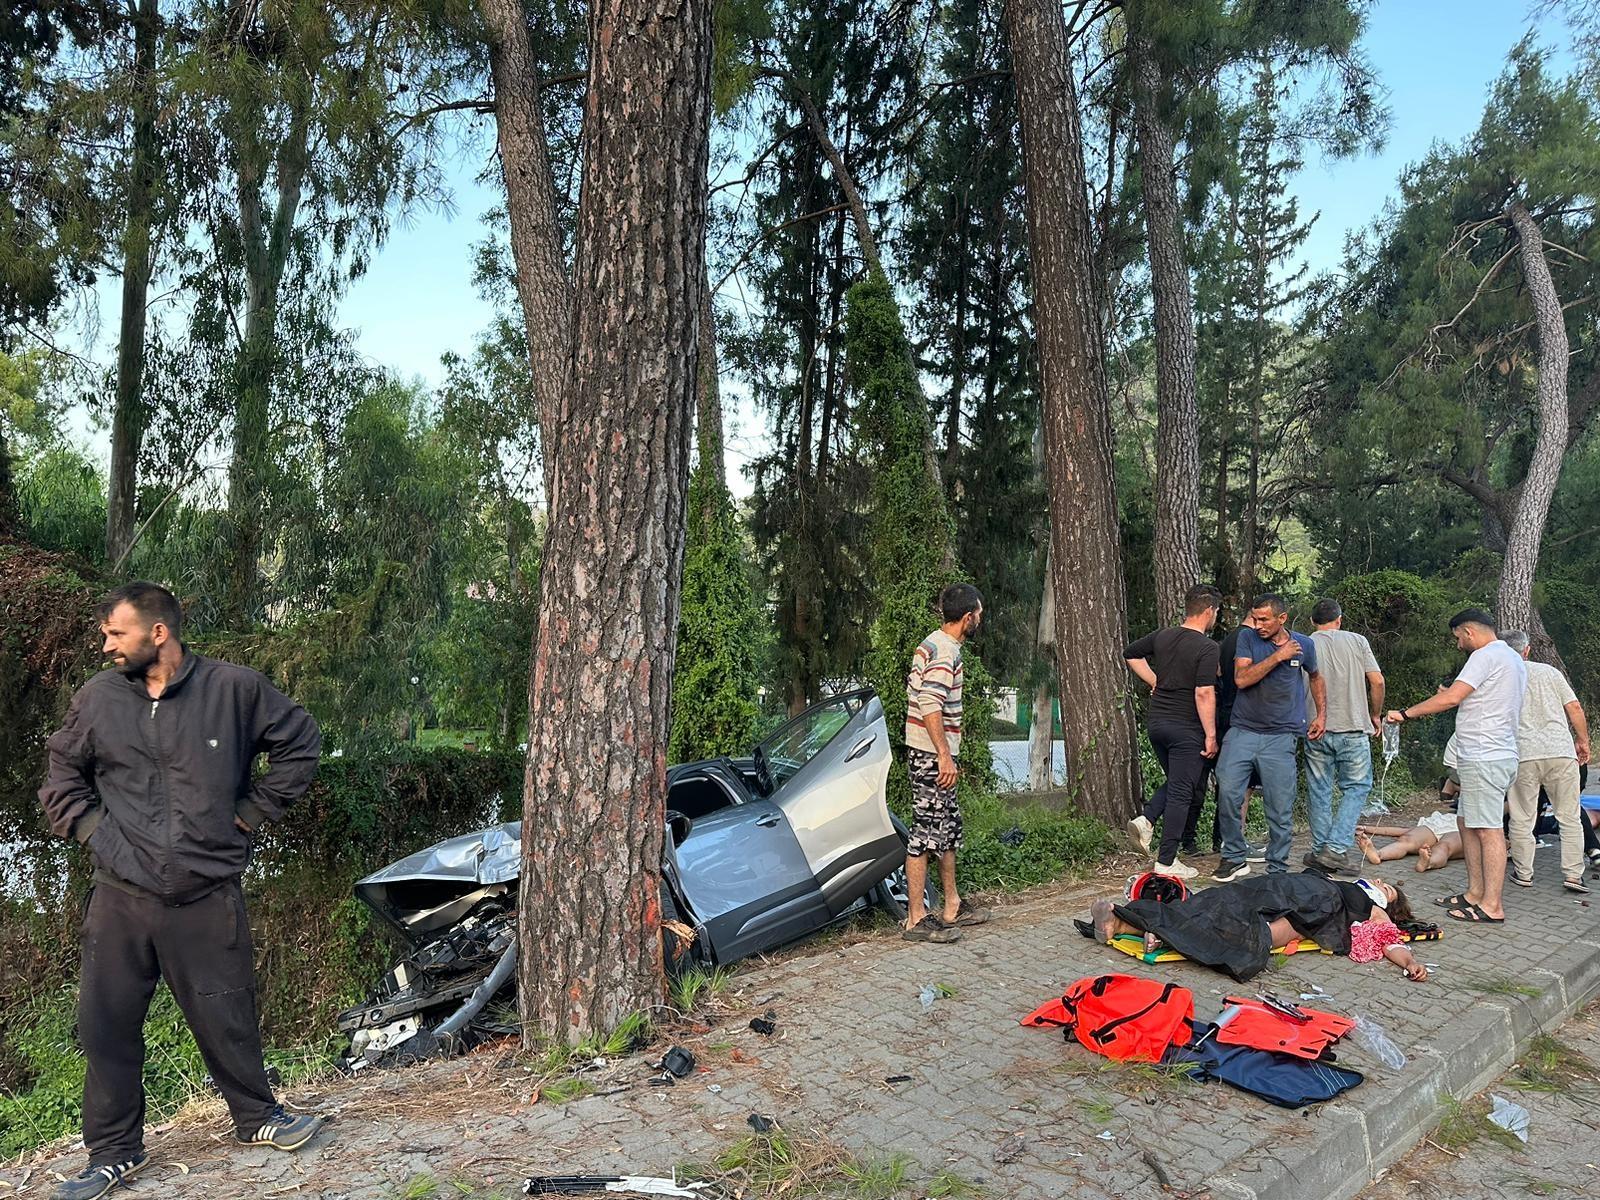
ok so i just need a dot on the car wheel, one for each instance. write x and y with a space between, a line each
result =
892 894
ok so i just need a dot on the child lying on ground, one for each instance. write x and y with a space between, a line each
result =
1435 839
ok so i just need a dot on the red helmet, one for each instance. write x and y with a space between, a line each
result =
1163 889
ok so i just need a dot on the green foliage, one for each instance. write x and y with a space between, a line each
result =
722 633
1407 621
1054 843
63 502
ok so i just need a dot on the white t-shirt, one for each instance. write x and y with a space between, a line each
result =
1486 722
1543 731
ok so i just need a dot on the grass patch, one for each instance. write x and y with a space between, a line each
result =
1551 1065
947 1185
1099 1111
1500 985
1465 1124
1040 844
699 984
781 1163
564 1091
418 1187
880 1179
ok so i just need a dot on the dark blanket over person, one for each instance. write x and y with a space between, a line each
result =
1229 928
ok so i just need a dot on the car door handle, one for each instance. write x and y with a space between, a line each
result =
861 747
768 820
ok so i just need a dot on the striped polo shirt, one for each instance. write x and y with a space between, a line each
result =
934 686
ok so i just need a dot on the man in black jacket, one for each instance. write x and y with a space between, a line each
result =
152 772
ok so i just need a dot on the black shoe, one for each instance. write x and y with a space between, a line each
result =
281 1131
1327 861
932 929
1192 849
1228 869
97 1181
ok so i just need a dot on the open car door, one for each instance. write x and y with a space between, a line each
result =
826 769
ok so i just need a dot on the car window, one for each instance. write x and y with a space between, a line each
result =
799 741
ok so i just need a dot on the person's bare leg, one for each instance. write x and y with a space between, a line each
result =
947 885
1492 865
916 886
1442 851
1283 933
1472 851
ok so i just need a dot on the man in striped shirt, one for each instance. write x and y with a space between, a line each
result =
933 739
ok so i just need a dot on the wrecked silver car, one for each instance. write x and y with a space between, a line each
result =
760 851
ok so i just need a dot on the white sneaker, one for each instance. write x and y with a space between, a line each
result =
1176 869
1142 832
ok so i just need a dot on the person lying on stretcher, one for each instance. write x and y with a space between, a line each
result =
1236 928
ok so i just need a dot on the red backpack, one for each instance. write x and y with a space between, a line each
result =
1122 1017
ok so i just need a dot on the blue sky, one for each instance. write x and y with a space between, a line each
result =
1436 58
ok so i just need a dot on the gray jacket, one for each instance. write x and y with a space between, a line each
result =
152 787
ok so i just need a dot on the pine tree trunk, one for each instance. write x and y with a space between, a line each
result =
1041 730
708 417
1177 532
1091 604
1544 470
127 419
543 287
600 684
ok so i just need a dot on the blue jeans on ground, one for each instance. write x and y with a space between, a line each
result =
1345 759
1272 755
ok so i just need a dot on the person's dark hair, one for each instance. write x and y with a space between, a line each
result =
1200 598
1326 612
1270 600
957 600
150 600
1475 616
1400 908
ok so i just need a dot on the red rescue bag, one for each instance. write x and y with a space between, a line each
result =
1122 1017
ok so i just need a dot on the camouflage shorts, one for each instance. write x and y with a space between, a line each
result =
935 814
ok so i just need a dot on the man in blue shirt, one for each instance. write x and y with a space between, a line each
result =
1271 668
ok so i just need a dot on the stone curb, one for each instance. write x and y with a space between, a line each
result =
1352 1145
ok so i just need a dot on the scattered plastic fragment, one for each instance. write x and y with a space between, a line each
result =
677 1061
1369 1035
1011 837
640 1185
928 995
765 1026
713 1088
897 1079
1105 1135
760 1124
1511 1117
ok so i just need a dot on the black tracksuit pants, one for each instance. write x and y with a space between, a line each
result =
202 949
1180 749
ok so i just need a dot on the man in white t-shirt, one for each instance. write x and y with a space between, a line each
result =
1488 693
1549 753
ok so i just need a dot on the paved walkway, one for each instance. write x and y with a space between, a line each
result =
1015 1110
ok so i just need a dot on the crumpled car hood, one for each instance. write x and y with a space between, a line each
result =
434 888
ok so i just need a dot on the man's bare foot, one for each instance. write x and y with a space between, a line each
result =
1364 844
1151 943
1424 859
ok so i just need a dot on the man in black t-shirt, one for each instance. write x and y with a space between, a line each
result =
1181 665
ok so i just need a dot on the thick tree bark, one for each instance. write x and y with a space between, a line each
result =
543 286
1544 469
600 685
1177 532
127 419
1091 605
266 244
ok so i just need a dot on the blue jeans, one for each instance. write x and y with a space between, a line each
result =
1272 756
1345 758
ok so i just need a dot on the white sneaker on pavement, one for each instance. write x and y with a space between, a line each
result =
1176 869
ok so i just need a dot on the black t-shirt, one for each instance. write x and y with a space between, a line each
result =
1183 659
1227 689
